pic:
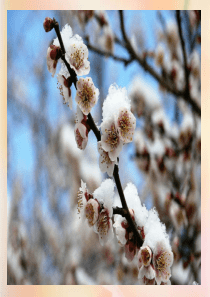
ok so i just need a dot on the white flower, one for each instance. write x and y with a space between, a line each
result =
104 226
110 139
92 211
53 54
105 163
162 261
105 194
83 197
87 94
126 124
77 56
120 229
65 90
81 135
144 263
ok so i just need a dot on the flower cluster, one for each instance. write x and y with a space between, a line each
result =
155 256
118 124
97 208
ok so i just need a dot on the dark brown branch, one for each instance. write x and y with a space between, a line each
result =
169 87
71 71
97 133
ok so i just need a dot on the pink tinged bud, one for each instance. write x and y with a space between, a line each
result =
87 94
92 211
130 251
48 24
65 91
81 136
53 54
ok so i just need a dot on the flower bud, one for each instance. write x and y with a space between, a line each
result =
48 24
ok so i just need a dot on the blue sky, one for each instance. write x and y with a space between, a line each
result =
26 33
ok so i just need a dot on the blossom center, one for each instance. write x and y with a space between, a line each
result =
103 223
112 138
80 201
78 58
90 213
162 262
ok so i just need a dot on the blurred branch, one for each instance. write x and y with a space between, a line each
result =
107 54
148 68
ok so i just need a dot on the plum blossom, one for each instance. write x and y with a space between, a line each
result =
65 91
110 140
105 194
87 94
162 261
83 197
107 39
105 163
53 54
92 211
126 123
144 263
81 135
77 56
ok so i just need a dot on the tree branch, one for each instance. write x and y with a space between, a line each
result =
148 68
97 133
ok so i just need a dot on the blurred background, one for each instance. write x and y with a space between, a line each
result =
47 243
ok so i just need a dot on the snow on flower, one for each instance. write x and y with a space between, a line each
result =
81 135
87 94
110 139
53 54
66 35
65 91
105 195
126 123
116 99
105 163
157 239
83 197
76 51
134 203
92 211
120 230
